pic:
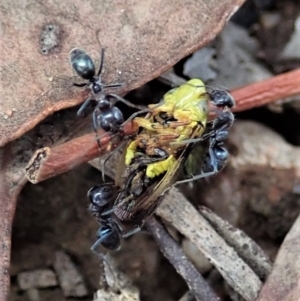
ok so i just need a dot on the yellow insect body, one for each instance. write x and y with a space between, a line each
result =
157 168
156 155
186 108
130 152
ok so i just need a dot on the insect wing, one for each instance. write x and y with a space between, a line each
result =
142 207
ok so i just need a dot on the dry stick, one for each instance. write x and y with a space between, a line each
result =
183 266
246 248
188 296
267 91
181 214
47 162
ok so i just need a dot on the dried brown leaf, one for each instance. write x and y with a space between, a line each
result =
283 283
142 38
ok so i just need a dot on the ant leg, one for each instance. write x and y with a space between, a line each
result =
95 125
188 141
79 85
194 178
96 244
171 79
128 103
136 114
101 62
203 174
103 162
217 157
84 105
143 111
131 232
113 85
101 256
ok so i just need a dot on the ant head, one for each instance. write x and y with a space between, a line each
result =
101 195
82 63
222 98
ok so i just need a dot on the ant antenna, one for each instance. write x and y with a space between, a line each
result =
104 260
101 62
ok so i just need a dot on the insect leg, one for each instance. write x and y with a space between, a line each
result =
79 85
100 255
132 231
95 125
194 178
84 105
214 162
143 111
96 244
136 114
128 103
103 162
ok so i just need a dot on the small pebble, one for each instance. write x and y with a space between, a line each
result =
69 278
36 279
8 113
196 256
33 294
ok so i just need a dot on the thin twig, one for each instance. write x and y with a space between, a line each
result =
267 91
50 162
246 248
177 258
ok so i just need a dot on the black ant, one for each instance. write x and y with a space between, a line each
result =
110 232
105 115
216 156
108 235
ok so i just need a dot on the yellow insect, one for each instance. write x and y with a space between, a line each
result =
180 116
155 156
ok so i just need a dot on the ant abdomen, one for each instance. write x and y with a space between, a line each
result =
109 235
82 63
110 120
